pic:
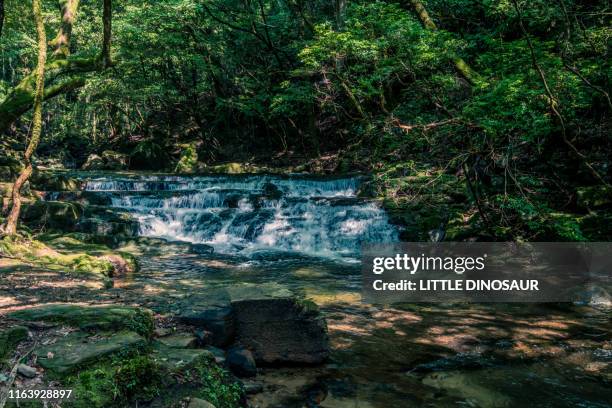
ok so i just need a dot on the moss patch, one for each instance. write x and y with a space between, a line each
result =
9 339
92 317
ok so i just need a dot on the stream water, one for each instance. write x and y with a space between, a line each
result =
306 233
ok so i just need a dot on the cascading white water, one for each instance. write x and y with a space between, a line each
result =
245 213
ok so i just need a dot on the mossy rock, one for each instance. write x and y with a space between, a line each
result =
92 318
52 214
55 181
10 338
37 253
78 350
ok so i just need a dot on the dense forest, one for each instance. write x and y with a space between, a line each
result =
502 107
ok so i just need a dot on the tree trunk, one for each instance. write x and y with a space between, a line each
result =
61 42
107 18
10 228
461 66
21 98
1 16
340 13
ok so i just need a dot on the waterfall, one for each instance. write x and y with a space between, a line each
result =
321 217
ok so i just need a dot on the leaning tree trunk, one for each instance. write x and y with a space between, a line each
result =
10 228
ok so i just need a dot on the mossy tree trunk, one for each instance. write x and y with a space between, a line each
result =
10 227
61 42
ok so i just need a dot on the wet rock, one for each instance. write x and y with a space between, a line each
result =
79 349
26 371
81 197
252 387
179 340
241 362
232 200
271 191
91 317
10 338
201 249
199 403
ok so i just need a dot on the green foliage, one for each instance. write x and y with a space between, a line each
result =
189 159
250 79
139 378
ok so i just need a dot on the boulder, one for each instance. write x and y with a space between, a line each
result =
91 317
217 319
281 330
114 160
252 387
201 249
269 320
240 361
55 181
52 214
93 162
10 339
108 160
271 191
79 349
199 403
179 340
178 359
26 371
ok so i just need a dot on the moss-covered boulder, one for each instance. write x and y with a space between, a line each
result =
10 338
91 318
78 261
55 181
52 214
108 160
78 350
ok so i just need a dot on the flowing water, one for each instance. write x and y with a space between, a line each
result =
241 214
306 233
